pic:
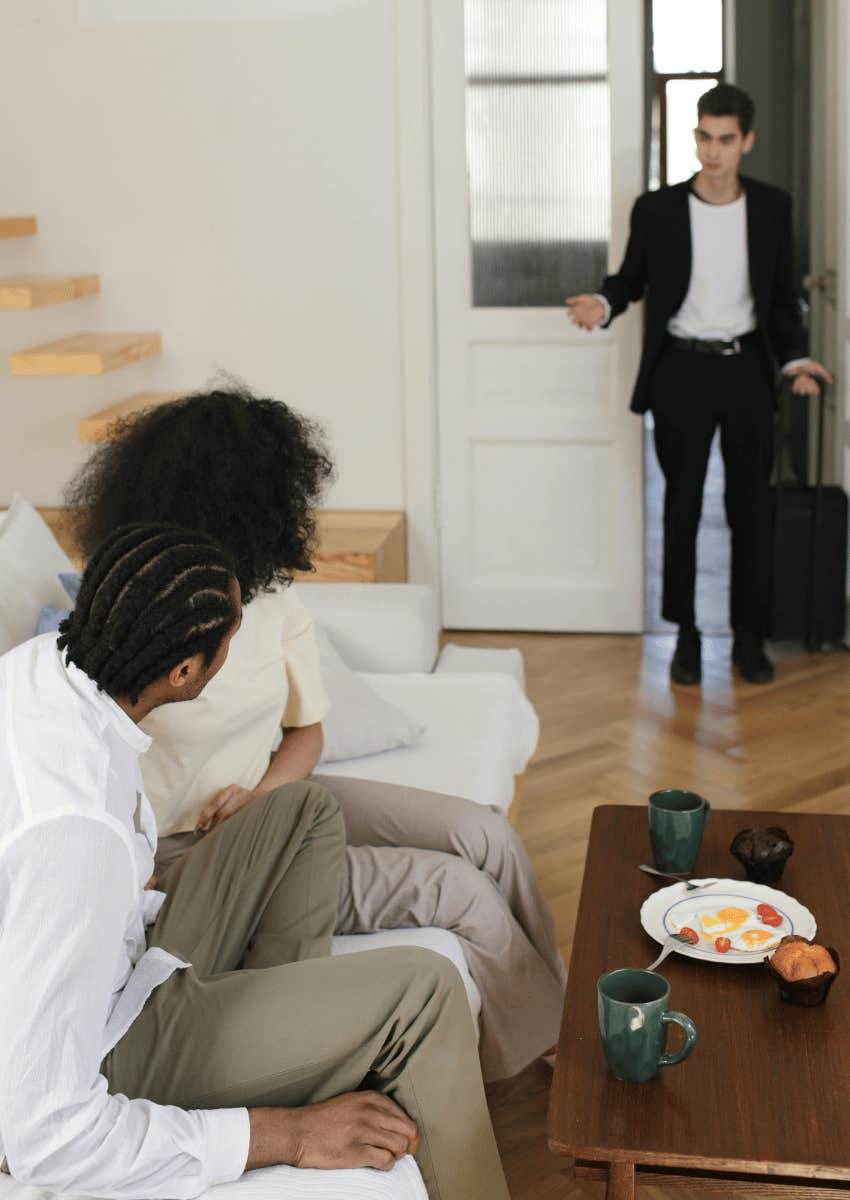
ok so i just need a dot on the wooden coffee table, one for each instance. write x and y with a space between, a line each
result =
763 1103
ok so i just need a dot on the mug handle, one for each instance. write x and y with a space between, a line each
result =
707 813
690 1030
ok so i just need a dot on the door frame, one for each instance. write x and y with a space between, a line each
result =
417 287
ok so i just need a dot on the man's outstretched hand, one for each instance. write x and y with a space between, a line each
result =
805 377
584 311
359 1129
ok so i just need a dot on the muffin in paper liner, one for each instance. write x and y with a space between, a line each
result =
763 853
805 992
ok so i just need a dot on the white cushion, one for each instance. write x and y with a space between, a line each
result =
30 562
378 626
441 941
403 1182
480 731
469 660
359 721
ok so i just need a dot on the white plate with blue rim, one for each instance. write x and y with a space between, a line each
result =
733 921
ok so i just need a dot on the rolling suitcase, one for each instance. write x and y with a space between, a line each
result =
809 540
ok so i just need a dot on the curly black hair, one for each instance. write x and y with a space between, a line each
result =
151 596
247 471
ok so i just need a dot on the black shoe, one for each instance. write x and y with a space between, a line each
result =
686 666
749 657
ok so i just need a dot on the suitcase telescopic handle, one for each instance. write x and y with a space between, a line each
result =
812 640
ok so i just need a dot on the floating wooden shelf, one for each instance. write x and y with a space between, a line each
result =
33 291
98 427
86 354
14 227
368 546
354 546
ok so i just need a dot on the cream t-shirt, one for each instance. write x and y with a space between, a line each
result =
271 679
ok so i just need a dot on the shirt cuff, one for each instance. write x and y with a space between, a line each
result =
794 362
598 296
228 1134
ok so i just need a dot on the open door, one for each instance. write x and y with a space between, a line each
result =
538 152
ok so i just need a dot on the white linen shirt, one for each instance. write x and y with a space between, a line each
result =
77 841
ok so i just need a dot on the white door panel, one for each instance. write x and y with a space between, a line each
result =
540 460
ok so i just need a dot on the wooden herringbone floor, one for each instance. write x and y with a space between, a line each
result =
613 730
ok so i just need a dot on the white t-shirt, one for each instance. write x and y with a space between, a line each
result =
719 301
271 680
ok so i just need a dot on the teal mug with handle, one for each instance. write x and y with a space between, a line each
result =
677 821
634 1017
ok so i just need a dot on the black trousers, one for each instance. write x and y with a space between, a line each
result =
691 395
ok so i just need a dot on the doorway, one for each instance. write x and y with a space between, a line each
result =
763 46
688 48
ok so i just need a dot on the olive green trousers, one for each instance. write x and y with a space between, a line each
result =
264 1016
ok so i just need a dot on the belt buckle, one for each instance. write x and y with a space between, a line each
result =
734 348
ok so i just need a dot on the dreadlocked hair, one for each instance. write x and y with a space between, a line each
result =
151 596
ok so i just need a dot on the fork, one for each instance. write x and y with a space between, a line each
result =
689 885
669 946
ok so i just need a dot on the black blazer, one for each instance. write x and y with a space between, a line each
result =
658 262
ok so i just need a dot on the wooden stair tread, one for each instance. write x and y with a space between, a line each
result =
97 427
33 291
86 354
14 227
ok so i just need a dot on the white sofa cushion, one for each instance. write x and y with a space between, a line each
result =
480 731
377 626
441 941
359 721
403 1182
30 563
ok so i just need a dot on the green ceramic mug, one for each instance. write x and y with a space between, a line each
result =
676 824
634 1013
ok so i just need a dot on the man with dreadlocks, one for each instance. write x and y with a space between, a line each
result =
153 1045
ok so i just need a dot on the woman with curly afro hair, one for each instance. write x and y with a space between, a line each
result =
249 472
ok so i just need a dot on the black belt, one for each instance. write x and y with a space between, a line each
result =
723 349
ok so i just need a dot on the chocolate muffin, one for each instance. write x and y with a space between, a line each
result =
763 853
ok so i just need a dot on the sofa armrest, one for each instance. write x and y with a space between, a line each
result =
470 660
380 627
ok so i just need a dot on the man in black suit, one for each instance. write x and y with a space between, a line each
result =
714 258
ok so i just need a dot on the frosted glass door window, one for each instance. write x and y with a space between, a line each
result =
538 149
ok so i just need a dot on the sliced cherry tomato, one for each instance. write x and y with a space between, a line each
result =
688 934
768 915
723 945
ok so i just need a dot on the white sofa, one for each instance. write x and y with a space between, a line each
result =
479 731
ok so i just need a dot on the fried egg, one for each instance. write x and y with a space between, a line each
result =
741 924
723 922
757 939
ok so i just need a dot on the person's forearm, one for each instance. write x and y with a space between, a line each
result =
272 1138
294 759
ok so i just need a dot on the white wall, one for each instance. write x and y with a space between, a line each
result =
236 185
